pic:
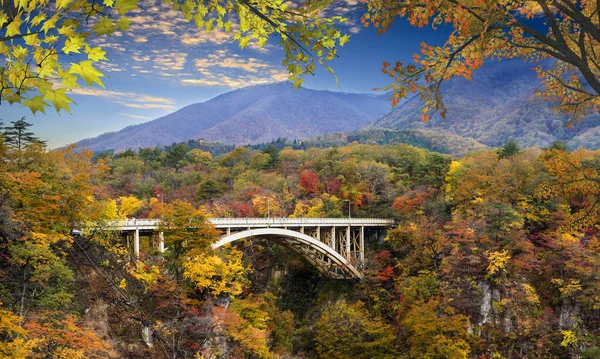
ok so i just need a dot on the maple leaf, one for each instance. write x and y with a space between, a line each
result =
36 104
96 54
123 6
87 72
59 99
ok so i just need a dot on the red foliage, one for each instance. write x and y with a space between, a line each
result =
334 186
309 182
386 273
243 209
383 256
412 201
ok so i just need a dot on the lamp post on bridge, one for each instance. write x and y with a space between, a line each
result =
161 236
347 200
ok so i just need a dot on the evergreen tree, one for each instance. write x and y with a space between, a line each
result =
176 156
274 156
18 135
511 148
560 146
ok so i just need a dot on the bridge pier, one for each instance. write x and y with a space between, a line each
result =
348 239
362 245
136 242
333 240
161 242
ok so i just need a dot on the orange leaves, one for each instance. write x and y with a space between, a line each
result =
61 336
576 181
494 30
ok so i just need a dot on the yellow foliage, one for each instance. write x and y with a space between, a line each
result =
144 273
108 210
497 261
567 289
569 339
14 345
454 166
128 206
68 353
217 274
123 284
530 294
568 237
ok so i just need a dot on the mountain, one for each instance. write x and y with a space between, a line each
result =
496 106
250 115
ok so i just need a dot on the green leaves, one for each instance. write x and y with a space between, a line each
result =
104 26
124 6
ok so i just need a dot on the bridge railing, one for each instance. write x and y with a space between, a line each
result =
300 221
283 221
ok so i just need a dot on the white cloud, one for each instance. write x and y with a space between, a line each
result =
135 116
129 99
222 68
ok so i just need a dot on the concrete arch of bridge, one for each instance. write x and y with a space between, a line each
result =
302 238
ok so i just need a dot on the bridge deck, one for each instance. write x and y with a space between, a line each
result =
224 223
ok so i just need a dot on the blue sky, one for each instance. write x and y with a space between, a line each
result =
164 63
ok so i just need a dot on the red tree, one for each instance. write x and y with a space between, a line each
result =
309 182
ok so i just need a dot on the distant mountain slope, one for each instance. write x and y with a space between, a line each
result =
252 115
437 141
497 106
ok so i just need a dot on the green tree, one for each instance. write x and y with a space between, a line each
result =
511 148
19 136
176 156
273 160
349 331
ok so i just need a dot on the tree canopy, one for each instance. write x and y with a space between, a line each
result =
47 48
569 33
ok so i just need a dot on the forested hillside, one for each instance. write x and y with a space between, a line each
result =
495 255
499 104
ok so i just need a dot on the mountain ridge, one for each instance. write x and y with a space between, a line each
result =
498 105
250 115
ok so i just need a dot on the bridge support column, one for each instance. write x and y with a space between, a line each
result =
161 242
348 243
228 231
333 239
362 245
319 233
136 243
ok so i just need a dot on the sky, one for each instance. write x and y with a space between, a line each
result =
164 63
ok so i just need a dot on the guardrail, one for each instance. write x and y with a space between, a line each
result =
284 221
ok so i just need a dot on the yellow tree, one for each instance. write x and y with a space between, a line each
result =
575 178
499 29
187 232
46 49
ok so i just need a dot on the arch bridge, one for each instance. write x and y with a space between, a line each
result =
335 246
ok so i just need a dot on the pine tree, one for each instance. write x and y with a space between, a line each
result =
18 136
273 161
511 148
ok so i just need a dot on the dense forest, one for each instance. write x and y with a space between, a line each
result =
495 254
